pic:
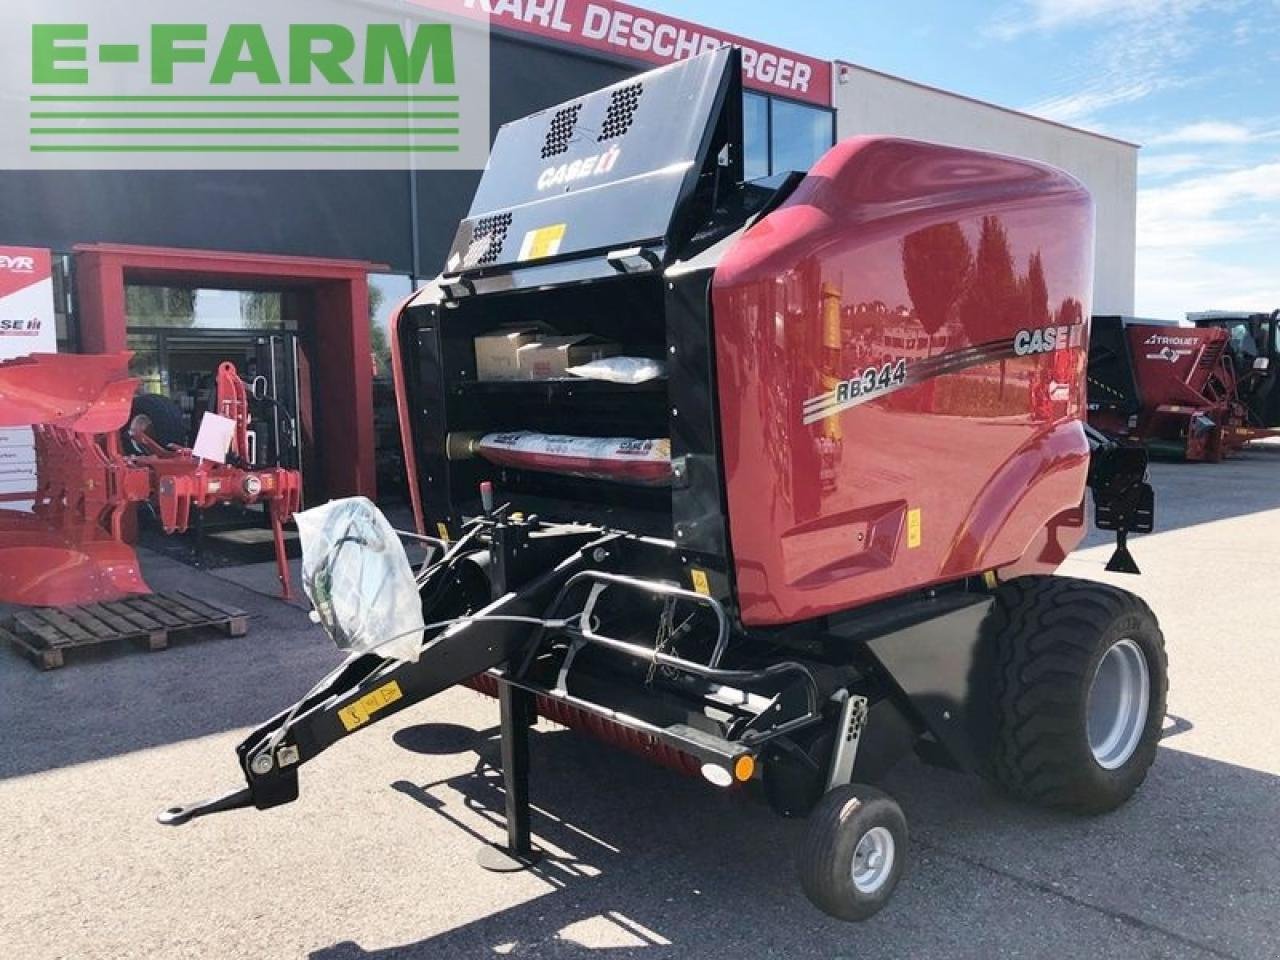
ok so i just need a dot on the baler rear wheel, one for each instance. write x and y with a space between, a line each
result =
854 851
1079 686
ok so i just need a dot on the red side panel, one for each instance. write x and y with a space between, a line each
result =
901 353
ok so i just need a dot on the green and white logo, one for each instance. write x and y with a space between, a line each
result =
272 84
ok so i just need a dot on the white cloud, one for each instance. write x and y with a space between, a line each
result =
1078 107
1211 210
1145 47
1170 164
1210 241
1172 283
1209 131
1049 15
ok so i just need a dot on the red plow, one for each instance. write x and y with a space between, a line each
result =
75 542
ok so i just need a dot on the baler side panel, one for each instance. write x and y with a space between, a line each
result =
901 351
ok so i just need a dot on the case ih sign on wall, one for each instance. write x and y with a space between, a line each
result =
628 31
26 326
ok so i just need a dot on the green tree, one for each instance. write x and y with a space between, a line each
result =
1036 293
936 263
993 302
262 310
379 340
159 306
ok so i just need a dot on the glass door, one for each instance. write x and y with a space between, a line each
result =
275 403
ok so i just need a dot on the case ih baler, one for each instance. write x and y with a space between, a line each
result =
1199 392
851 555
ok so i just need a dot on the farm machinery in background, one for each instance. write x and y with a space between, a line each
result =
1199 392
69 539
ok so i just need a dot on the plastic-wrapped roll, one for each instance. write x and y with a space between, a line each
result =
624 460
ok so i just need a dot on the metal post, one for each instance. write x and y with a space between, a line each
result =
516 710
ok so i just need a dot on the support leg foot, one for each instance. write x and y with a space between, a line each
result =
498 859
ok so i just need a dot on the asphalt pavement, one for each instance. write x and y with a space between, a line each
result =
377 858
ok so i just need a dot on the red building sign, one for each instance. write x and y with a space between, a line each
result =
627 31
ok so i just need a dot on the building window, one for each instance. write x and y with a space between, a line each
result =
781 135
146 363
386 291
800 135
68 333
755 122
189 308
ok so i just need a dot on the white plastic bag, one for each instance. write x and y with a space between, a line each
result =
621 370
358 578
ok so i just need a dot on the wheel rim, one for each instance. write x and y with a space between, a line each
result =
873 860
1118 700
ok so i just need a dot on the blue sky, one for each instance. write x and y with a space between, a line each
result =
1196 82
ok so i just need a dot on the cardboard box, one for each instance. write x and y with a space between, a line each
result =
496 353
551 357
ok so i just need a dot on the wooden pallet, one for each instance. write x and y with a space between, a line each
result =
45 636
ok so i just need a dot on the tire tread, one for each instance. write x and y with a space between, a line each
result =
1046 635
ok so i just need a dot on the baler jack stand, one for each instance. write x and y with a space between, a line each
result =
516 709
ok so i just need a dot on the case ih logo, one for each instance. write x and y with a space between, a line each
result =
1046 340
20 328
17 264
584 169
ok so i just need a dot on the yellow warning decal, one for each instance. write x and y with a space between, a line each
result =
700 582
356 715
543 242
913 528
443 530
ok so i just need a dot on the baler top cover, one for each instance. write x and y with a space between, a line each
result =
606 171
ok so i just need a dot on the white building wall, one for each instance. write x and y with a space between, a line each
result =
869 102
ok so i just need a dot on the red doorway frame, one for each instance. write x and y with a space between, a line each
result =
340 353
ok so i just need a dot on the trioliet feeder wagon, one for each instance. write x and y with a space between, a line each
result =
843 553
1197 392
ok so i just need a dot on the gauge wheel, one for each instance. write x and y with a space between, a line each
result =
853 853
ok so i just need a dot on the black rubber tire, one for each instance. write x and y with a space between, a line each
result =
1048 636
836 826
168 424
